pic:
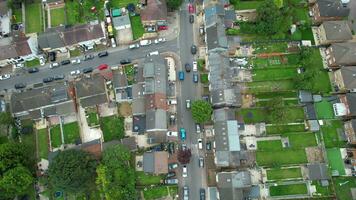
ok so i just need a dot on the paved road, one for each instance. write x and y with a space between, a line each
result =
113 59
188 90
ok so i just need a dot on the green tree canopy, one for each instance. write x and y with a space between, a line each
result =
15 182
277 113
12 155
6 118
116 176
72 171
173 4
201 111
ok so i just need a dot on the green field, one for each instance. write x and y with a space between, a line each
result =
274 74
147 179
56 139
57 17
159 192
43 143
285 173
280 47
92 119
343 187
279 158
71 133
282 190
270 95
301 140
33 18
331 130
270 86
246 5
335 160
137 27
112 127
269 145
255 115
122 3
280 129
324 110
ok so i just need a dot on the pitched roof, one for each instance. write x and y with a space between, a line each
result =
3 8
351 101
51 38
138 106
344 53
157 137
318 171
148 162
234 185
155 74
332 8
119 78
349 76
91 90
337 30
155 162
123 20
130 143
309 111
305 96
7 51
82 33
155 10
226 97
216 37
223 114
226 136
156 119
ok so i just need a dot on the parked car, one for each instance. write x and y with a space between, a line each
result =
171 149
20 85
53 65
187 103
103 67
18 65
187 67
65 62
202 194
197 127
75 72
103 54
191 8
195 78
185 193
52 56
76 61
184 146
185 171
172 102
201 30
200 143
42 60
87 70
171 174
156 41
162 39
172 133
181 75
171 181
145 42
134 46
48 80
153 53
182 134
88 57
201 162
4 77
172 166
191 19
33 70
59 77
208 145
195 66
193 49
125 61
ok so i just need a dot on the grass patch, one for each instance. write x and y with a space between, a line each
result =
331 135
322 190
137 27
270 95
322 82
33 63
71 133
274 74
270 47
57 17
286 173
269 145
301 140
270 86
255 115
201 65
343 187
130 73
56 139
280 129
324 110
272 62
33 18
75 53
17 13
112 127
92 119
147 179
122 3
287 102
43 143
335 160
204 78
78 14
30 141
295 189
246 5
285 157
157 192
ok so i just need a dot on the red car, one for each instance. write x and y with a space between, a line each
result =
191 8
103 66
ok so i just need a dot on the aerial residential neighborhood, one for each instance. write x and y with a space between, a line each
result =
177 99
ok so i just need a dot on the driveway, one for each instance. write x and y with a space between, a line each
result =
124 36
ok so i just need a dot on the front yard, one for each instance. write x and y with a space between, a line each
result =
159 192
34 21
137 27
112 127
285 173
294 189
57 17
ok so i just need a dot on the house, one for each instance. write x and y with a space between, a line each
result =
349 156
333 32
234 185
121 22
63 38
317 171
345 79
153 12
155 162
5 19
215 10
215 37
305 96
341 54
328 10
35 104
350 131
346 107
123 92
91 91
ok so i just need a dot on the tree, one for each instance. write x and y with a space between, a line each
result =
184 156
6 118
12 155
173 4
201 111
279 3
276 111
15 182
72 171
116 176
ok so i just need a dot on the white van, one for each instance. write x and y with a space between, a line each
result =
113 43
195 66
200 143
153 53
145 42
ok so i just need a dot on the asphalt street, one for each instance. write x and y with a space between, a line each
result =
189 90
113 59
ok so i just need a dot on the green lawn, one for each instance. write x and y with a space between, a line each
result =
324 110
72 7
269 95
137 27
204 78
112 127
122 3
274 74
246 5
278 158
286 173
281 190
79 14
92 119
301 15
269 145
56 139
43 143
343 187
286 102
57 17
335 160
18 15
33 18
147 179
331 135
322 82
157 192
323 190
301 140
130 73
280 129
30 141
270 86
71 133
33 63
273 62
255 115
281 47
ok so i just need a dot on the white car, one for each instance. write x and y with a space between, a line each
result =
198 128
75 61
42 60
185 171
53 65
172 134
134 46
18 65
153 53
75 72
187 103
4 77
195 66
156 41
200 143
162 39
